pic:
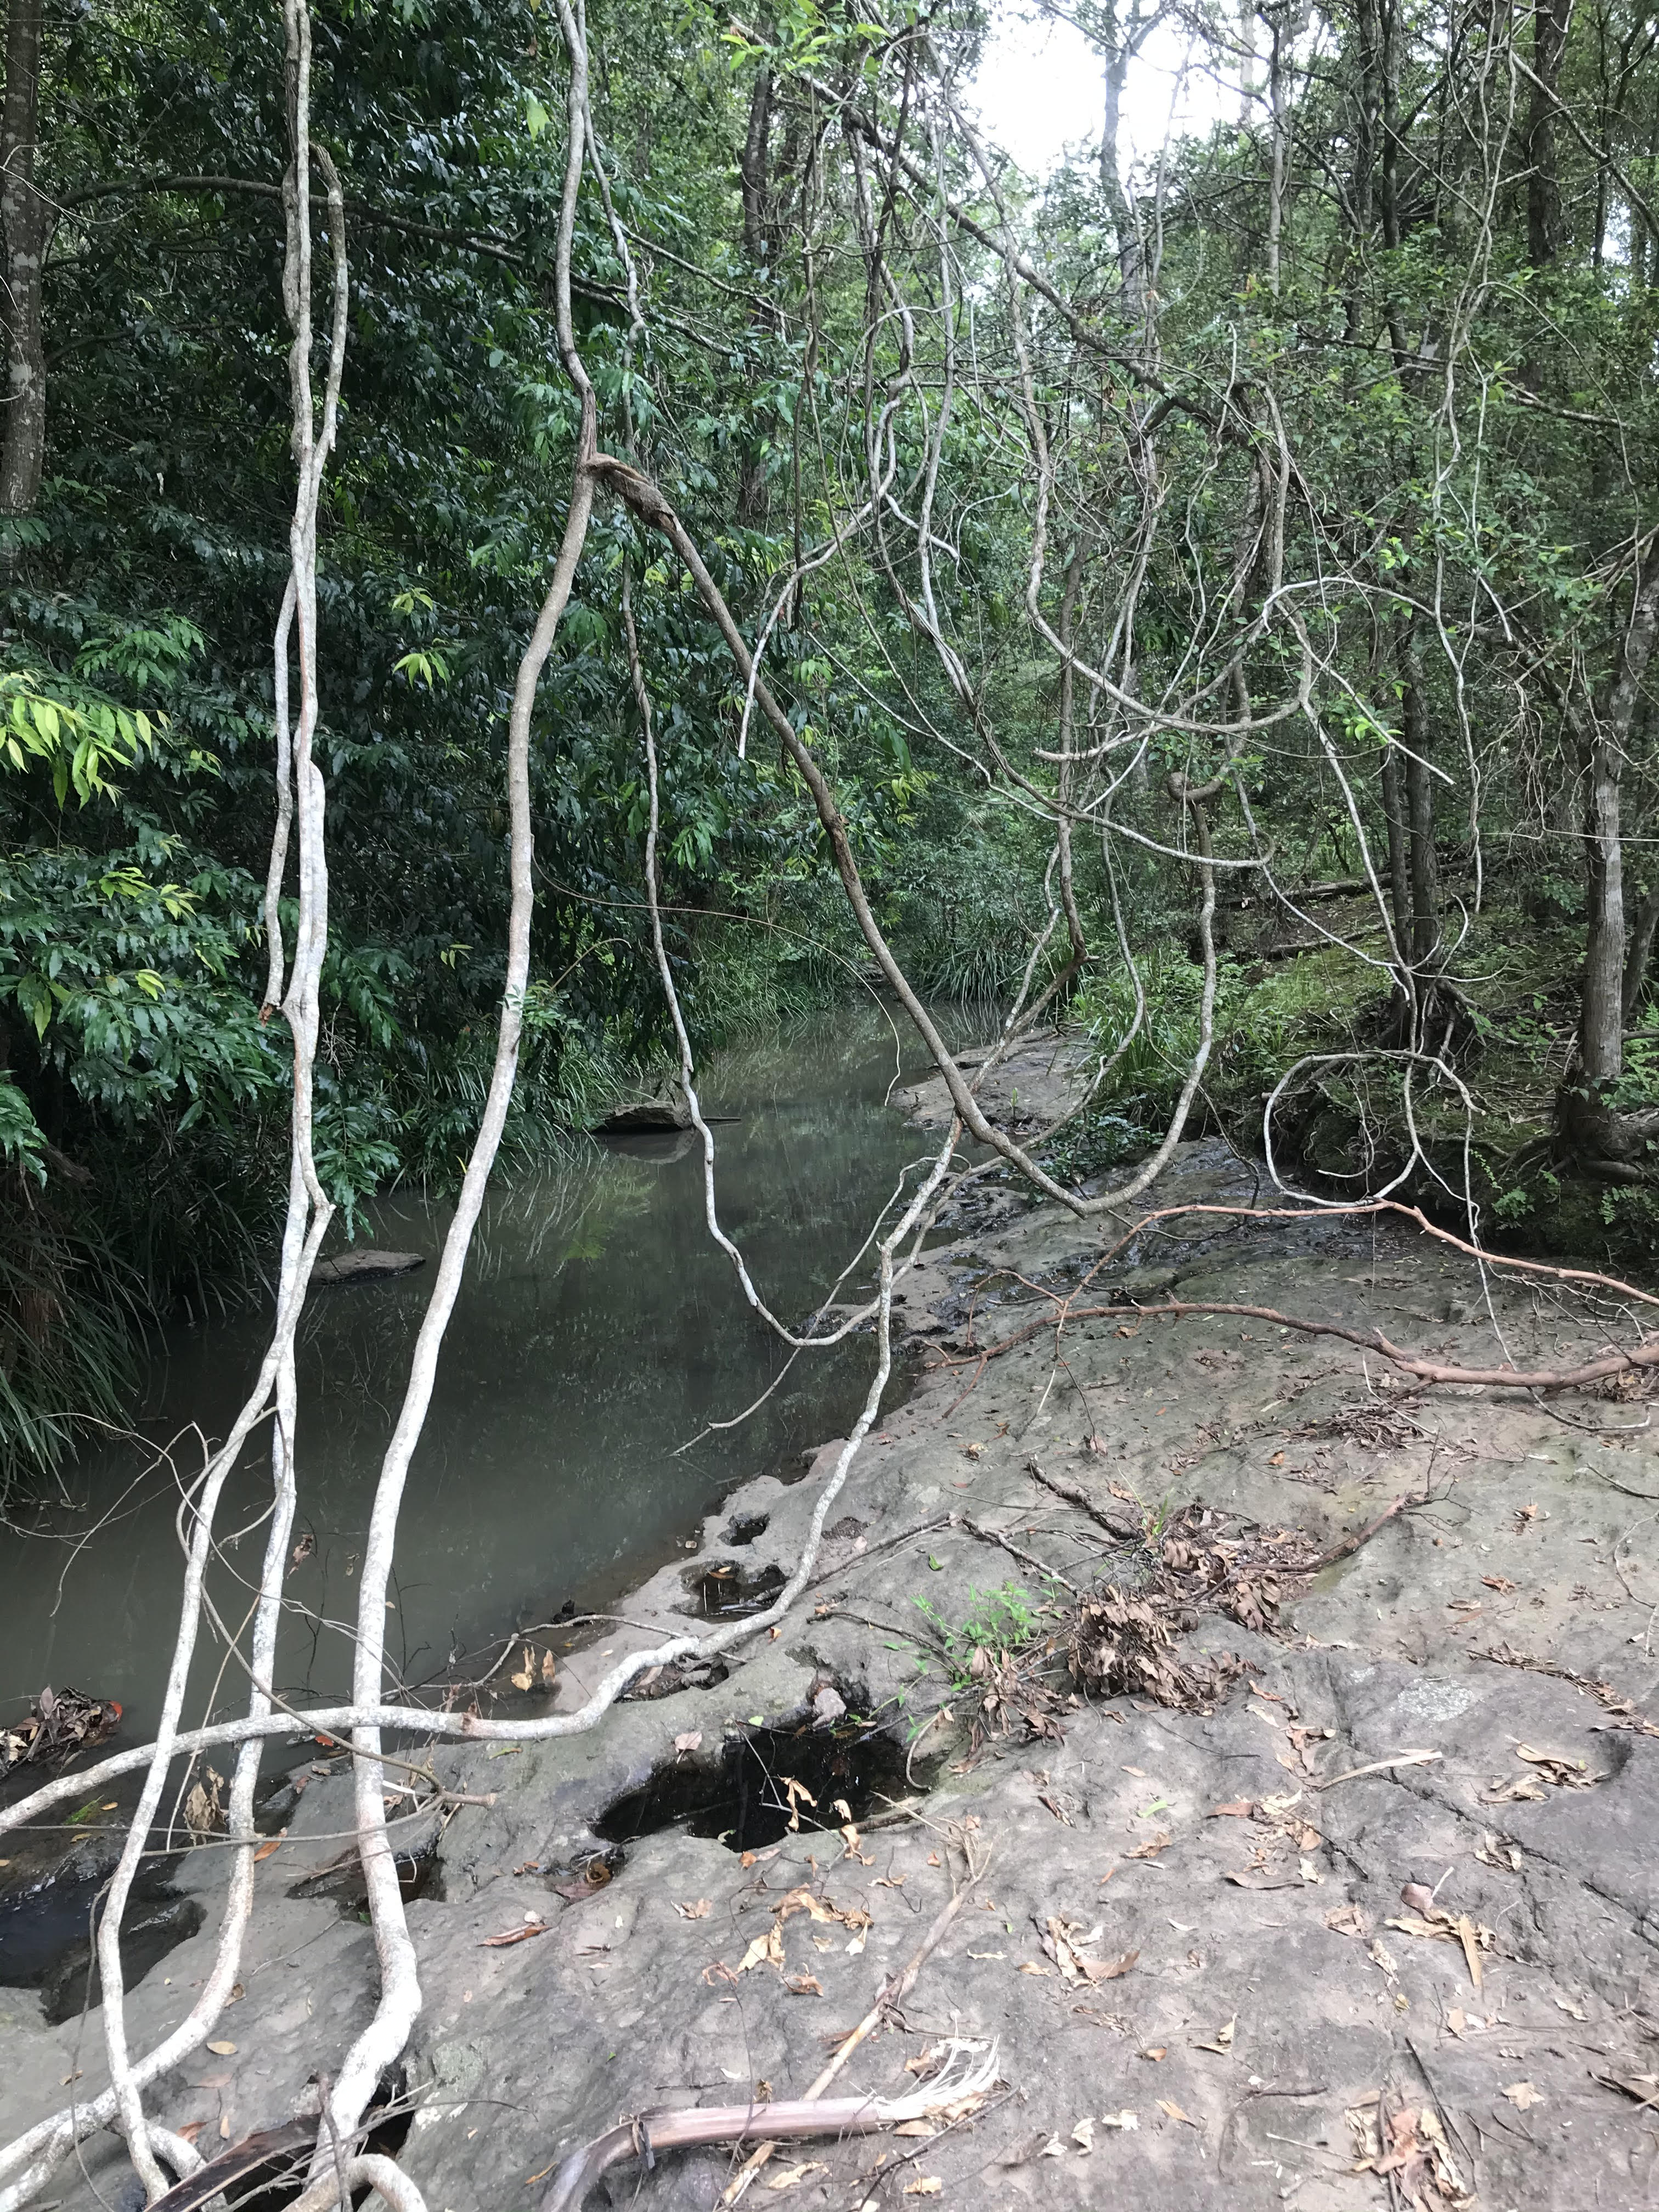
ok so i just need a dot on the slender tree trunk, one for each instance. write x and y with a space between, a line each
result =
1400 880
1419 804
1279 104
753 501
1111 176
756 149
23 216
1641 950
1549 34
1362 167
1601 1036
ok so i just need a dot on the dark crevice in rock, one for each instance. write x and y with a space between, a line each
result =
742 1800
725 1587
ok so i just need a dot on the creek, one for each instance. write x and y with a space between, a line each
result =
596 1334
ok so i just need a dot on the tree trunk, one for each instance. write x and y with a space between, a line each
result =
1111 178
753 493
1399 882
1365 108
1278 107
1601 1036
1601 1033
1641 949
1419 804
23 218
1549 34
756 151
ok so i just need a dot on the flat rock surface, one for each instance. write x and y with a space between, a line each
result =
1031 1087
1281 2017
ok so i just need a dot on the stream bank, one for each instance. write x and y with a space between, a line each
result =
1191 1947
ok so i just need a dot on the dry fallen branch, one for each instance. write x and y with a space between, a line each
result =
798 2117
1605 1364
893 1992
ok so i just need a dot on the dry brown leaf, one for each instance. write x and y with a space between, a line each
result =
1240 1810
700 1911
1126 2119
1345 1920
1082 2135
802 1985
925 2185
765 1951
915 2128
550 1670
191 2130
1224 2038
793 2176
1028 1968
1099 1970
689 1741
533 1926
798 1794
1493 1851
1467 1936
527 1675
1644 2087
1155 2051
222 2050
265 1850
801 1900
1151 1848
1557 1768
1523 2095
1169 2107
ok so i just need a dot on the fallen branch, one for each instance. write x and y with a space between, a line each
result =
236 2164
1426 1371
1352 1544
1379 1766
892 1993
809 2116
1121 1531
1026 1558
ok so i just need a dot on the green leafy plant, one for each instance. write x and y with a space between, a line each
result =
1003 1620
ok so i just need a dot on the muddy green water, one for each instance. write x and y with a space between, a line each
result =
597 1331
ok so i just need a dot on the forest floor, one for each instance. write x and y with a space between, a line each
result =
1187 1940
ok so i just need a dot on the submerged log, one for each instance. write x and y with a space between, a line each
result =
369 1265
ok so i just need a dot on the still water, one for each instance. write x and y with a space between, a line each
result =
598 1331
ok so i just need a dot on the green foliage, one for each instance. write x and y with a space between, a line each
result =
998 1622
137 605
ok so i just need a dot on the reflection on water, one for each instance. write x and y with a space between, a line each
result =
597 1330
